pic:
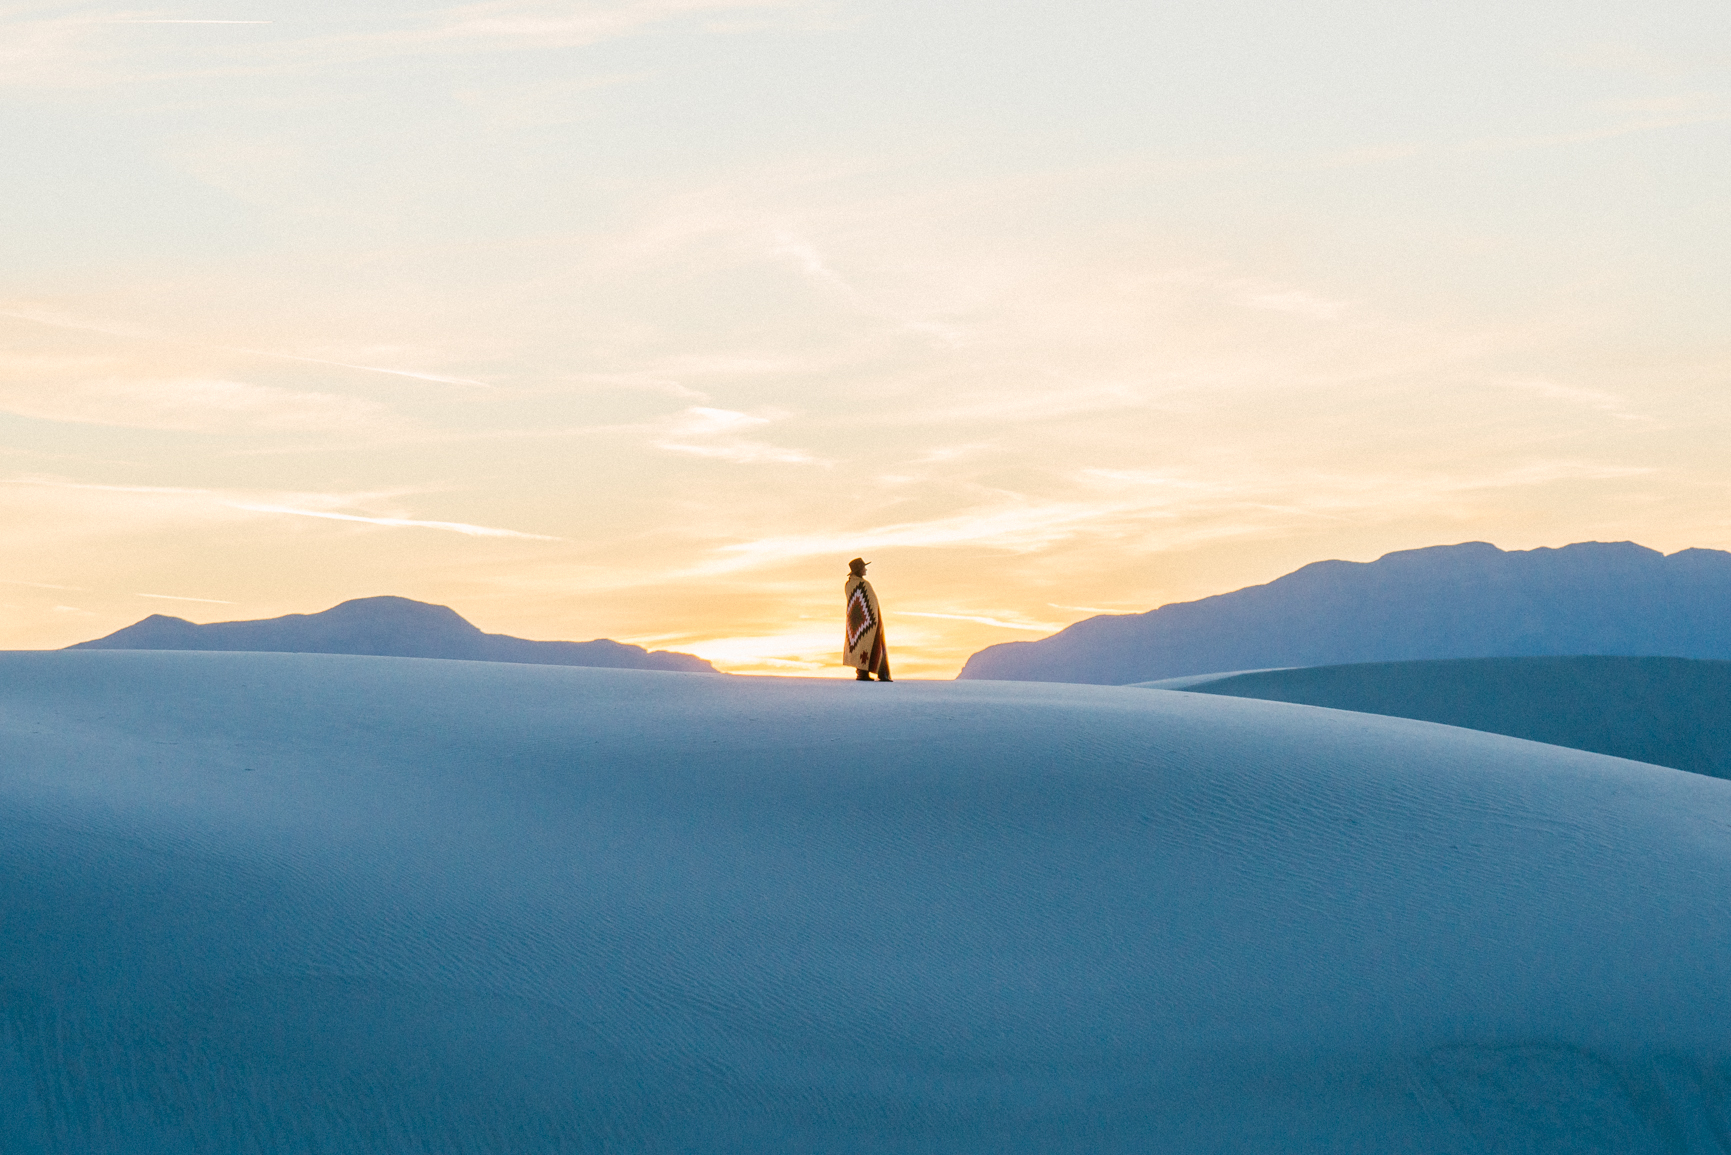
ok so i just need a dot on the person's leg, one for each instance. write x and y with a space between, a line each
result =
878 662
861 676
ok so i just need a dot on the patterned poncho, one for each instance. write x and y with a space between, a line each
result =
865 625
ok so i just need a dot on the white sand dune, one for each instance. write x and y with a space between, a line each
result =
305 903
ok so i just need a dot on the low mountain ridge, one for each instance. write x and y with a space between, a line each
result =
1457 601
387 627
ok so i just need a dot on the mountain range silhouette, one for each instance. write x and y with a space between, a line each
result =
1456 601
387 627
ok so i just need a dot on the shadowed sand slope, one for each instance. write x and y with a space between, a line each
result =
304 903
1668 711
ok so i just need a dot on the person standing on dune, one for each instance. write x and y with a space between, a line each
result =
864 648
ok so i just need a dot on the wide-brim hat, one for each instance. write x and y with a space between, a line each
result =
859 561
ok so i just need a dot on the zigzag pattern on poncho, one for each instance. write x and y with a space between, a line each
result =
859 616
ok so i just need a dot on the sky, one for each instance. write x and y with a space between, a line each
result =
639 319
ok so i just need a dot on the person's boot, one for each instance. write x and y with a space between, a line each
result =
861 676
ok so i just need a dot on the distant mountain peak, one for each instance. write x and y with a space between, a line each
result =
1470 600
386 626
385 604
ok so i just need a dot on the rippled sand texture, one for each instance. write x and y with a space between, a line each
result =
302 903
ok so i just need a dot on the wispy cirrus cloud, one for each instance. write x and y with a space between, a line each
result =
395 522
536 23
39 51
1600 400
184 598
42 585
984 620
79 45
189 404
154 20
1144 511
1286 299
676 375
148 508
1610 121
59 319
412 373
1062 401
722 434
